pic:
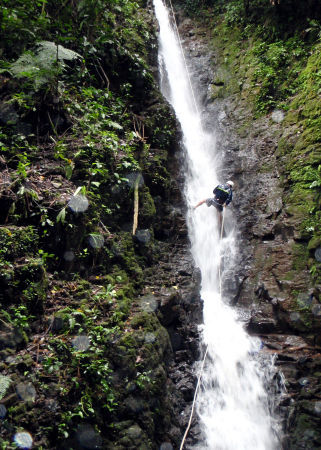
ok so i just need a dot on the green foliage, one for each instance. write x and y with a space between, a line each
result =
191 6
317 182
19 316
45 255
4 384
234 13
271 62
18 241
43 65
87 368
74 128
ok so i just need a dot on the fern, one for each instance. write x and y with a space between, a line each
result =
48 50
4 384
41 66
114 125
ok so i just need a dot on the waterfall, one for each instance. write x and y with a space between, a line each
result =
232 405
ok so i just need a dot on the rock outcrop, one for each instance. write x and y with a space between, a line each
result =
269 281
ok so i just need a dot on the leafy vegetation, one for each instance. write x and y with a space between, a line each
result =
4 384
76 89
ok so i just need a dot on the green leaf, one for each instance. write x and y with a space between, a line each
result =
21 190
114 125
68 171
5 70
77 190
316 183
4 384
61 216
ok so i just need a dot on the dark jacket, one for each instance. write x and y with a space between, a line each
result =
223 194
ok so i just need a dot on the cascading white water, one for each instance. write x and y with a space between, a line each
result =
232 403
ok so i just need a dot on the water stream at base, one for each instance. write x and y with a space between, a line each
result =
232 404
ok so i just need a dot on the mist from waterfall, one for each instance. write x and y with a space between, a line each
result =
232 404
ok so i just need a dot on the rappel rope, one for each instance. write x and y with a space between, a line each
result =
205 355
189 79
219 268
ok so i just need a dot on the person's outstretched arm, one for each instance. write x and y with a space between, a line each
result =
200 203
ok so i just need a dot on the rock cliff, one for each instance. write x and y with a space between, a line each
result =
270 283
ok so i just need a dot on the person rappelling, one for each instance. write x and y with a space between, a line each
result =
223 196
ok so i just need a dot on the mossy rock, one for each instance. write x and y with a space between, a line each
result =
148 321
20 408
307 432
300 257
289 276
314 243
128 341
147 211
284 147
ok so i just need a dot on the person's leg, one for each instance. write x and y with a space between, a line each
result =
219 209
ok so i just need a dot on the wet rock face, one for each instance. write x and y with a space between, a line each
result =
269 281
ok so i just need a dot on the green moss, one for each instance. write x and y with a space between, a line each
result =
21 408
284 147
148 321
244 130
148 209
289 276
314 243
121 311
300 255
128 341
305 425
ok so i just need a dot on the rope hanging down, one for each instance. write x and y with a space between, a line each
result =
219 268
205 355
189 78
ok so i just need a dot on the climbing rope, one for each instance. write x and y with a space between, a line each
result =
194 401
205 355
189 78
219 265
222 226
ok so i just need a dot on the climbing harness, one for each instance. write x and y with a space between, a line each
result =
205 355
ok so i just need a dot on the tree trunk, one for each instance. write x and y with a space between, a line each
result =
136 203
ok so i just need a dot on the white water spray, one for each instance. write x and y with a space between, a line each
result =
232 403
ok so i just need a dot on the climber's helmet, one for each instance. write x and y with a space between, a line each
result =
230 183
